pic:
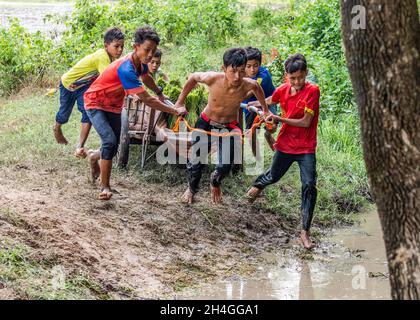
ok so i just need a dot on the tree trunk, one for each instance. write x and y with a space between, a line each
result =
384 64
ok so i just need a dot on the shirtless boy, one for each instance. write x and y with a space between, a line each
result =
227 90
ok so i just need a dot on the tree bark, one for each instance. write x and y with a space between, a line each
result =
384 64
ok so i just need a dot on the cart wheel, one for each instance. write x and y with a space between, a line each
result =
124 146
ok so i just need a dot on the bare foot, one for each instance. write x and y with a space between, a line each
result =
253 194
216 194
306 241
80 153
95 170
105 194
58 134
188 196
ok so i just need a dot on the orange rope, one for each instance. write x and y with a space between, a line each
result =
257 123
190 128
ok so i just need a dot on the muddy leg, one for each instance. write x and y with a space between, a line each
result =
58 134
94 156
84 133
270 139
307 165
216 194
188 196
105 174
306 241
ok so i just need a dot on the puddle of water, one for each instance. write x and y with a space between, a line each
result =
352 266
31 14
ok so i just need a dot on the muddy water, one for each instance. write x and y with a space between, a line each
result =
31 14
349 264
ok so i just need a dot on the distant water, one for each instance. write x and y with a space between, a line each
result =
31 14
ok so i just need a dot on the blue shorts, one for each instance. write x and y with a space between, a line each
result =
67 100
108 127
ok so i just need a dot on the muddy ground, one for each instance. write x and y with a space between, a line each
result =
144 243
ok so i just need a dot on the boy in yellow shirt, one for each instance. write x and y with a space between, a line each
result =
78 79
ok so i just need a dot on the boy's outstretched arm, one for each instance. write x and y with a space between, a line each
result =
304 122
311 106
155 103
151 84
193 79
268 101
259 94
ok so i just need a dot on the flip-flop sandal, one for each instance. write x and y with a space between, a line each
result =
105 195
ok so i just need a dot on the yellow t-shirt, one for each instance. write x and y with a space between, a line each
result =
85 70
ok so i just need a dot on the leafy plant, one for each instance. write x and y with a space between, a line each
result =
262 18
24 57
195 102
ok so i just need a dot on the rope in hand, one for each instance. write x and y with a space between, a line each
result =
175 128
301 104
258 121
190 128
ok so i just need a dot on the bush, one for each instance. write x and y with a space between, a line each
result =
24 57
192 24
193 29
175 21
320 21
313 29
262 18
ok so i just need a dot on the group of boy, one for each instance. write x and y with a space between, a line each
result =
100 81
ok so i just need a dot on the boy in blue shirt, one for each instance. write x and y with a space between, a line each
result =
256 71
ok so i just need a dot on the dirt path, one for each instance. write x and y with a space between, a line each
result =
143 243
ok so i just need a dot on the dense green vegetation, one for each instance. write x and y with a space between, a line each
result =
194 36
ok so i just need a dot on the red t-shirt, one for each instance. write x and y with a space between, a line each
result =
291 139
121 77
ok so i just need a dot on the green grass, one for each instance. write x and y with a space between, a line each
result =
31 278
27 138
266 2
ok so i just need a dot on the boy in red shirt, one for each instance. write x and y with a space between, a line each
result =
105 98
296 141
